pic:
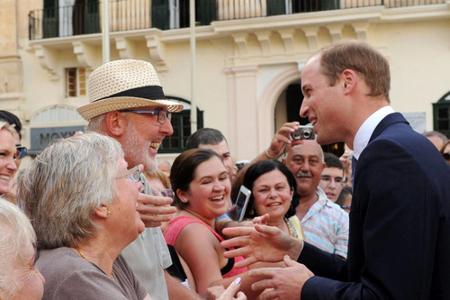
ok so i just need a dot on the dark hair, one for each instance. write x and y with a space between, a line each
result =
332 161
183 170
12 119
362 58
260 168
204 136
346 191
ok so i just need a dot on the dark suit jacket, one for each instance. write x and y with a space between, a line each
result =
399 243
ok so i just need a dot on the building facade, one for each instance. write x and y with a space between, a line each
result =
249 57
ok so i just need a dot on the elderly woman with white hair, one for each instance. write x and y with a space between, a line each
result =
19 279
82 203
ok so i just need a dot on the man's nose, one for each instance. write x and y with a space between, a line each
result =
303 112
332 183
167 128
304 166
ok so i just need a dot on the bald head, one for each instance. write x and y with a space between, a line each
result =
307 146
306 162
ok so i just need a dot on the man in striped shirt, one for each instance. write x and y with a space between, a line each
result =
324 223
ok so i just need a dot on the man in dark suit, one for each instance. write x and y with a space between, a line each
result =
399 243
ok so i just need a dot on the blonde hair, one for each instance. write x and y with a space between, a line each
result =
159 175
8 127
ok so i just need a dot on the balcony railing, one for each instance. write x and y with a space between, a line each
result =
126 15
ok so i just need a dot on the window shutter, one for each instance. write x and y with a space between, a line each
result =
205 11
50 19
160 14
92 19
276 7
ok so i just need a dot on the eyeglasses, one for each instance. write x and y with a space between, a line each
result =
328 179
162 115
21 151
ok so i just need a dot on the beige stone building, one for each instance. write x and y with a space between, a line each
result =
249 57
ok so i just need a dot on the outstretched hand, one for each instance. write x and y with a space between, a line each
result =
281 283
261 243
231 293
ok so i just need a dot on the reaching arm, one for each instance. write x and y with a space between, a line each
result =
279 142
260 243
178 291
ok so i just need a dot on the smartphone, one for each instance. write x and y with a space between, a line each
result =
241 203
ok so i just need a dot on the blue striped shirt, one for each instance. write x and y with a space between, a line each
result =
325 226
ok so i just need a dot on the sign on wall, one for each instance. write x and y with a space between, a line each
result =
417 120
42 137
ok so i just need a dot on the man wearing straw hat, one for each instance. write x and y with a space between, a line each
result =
128 104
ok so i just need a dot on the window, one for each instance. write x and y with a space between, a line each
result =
169 14
181 123
75 82
441 115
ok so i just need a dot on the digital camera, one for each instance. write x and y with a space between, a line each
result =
303 133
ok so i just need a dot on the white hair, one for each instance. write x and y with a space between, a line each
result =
65 183
96 123
16 234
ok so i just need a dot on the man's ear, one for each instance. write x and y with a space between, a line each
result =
348 80
115 123
322 166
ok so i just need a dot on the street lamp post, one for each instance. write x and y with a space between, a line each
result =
193 65
105 32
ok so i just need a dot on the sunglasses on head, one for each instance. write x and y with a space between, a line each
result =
21 151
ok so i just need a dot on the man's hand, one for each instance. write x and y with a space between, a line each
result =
261 243
281 139
281 283
154 209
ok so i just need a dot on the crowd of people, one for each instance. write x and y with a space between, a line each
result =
94 216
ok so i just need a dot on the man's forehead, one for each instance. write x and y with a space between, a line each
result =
333 171
307 148
312 65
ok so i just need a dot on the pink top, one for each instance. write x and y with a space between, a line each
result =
176 225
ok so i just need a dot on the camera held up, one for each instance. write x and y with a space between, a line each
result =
303 133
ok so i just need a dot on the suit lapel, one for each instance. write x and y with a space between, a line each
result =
386 122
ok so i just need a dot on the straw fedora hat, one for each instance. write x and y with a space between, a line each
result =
124 84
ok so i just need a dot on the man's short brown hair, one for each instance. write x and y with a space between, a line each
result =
362 58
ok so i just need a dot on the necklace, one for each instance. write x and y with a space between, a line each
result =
81 254
85 258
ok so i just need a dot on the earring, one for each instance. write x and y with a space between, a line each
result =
108 212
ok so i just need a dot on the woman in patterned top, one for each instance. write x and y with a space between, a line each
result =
274 193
